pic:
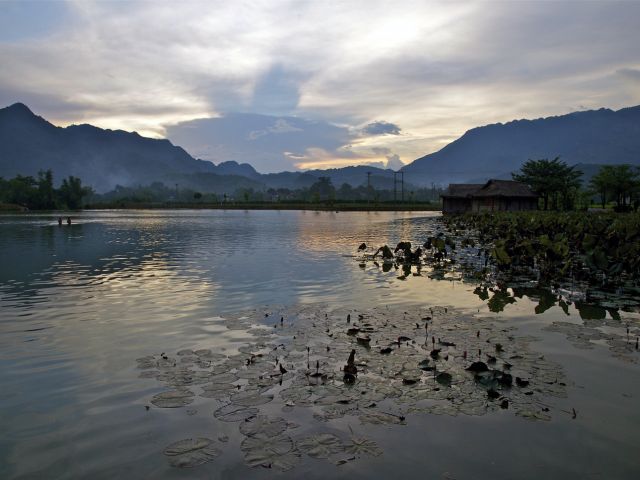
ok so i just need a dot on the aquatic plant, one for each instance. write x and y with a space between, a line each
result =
318 350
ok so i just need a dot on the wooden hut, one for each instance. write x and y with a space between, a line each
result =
495 195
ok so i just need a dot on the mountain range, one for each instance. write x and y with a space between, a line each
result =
601 137
106 158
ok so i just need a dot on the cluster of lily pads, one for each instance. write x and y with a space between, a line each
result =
379 366
590 260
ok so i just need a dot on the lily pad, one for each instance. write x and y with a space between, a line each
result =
173 399
322 445
250 399
223 378
217 390
444 378
191 452
382 418
262 425
270 452
279 444
234 413
269 459
363 446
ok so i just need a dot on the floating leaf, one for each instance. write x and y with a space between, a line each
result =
270 452
262 425
534 415
223 378
269 459
250 399
191 452
478 367
234 413
322 445
217 390
444 378
173 399
381 418
280 444
363 446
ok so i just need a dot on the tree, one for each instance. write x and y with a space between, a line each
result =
22 190
552 179
71 192
345 192
322 189
619 182
601 183
46 193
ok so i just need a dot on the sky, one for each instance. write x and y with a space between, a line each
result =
294 85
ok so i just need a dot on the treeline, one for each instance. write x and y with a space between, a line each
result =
322 191
40 194
561 188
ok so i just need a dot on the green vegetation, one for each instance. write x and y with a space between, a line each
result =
601 248
321 195
620 183
40 193
557 183
560 186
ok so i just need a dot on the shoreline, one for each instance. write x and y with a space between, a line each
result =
338 207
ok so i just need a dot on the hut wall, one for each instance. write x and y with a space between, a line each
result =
455 205
496 204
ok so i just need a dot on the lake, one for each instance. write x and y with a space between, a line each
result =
82 306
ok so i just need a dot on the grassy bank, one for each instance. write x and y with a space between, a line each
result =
12 207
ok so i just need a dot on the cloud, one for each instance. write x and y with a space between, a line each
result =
394 162
274 144
268 143
381 128
630 73
280 126
436 68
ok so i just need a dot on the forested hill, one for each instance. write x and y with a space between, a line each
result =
107 158
589 137
102 158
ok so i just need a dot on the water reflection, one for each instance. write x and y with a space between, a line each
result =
543 299
79 303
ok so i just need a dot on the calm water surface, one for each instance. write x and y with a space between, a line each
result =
79 303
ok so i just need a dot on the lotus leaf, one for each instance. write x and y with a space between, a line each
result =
234 413
363 446
262 425
173 399
191 452
322 445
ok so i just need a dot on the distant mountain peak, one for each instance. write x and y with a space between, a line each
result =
18 110
19 106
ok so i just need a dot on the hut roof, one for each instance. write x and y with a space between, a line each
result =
462 190
493 188
504 188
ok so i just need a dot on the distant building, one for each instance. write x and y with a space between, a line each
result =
495 195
